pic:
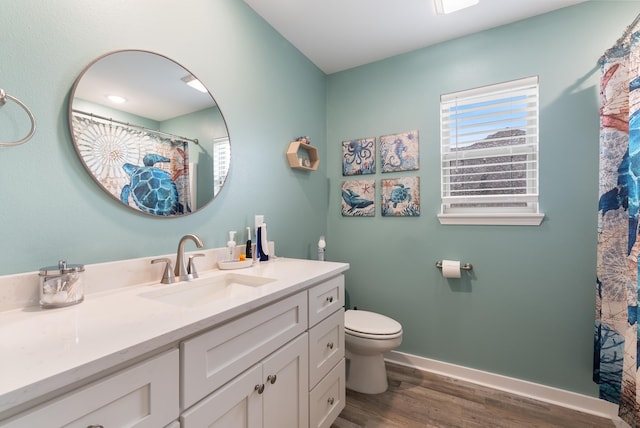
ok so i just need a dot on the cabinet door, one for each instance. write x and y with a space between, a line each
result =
286 399
236 405
145 395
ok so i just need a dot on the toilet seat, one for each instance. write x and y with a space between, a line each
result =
370 325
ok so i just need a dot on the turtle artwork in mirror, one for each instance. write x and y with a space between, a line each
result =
149 133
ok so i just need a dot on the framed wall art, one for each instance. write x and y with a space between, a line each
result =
400 197
359 156
400 152
358 198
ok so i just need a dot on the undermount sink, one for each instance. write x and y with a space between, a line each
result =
206 290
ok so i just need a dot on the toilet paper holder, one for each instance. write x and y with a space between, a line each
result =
466 266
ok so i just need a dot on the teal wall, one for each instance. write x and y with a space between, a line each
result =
269 94
527 311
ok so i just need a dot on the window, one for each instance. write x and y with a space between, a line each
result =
489 154
221 162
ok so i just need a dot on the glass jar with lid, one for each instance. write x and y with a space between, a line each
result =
61 285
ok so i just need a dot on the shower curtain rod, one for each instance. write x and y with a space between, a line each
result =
108 119
628 30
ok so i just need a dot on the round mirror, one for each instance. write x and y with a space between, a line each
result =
149 133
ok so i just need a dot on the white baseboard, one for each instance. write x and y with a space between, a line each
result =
548 394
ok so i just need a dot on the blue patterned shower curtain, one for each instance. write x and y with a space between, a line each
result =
106 146
616 326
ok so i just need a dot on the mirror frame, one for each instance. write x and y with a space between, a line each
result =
202 152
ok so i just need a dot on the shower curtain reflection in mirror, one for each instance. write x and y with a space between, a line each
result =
143 170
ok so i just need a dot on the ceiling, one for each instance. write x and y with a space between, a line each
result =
151 83
334 34
340 34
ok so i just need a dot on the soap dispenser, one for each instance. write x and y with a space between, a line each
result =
231 245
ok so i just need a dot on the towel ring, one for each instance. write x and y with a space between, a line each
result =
3 97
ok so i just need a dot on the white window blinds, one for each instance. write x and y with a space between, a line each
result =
221 162
489 149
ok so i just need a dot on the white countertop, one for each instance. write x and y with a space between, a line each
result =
43 350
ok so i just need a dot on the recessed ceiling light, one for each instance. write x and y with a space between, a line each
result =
116 99
450 6
194 83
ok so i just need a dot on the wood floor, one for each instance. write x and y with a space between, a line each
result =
422 399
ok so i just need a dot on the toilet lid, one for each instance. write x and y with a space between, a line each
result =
370 323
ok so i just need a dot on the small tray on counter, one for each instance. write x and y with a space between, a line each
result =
235 264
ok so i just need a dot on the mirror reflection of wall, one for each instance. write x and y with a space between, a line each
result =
164 148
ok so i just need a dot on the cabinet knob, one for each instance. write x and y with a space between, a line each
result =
259 388
330 345
272 378
330 299
330 401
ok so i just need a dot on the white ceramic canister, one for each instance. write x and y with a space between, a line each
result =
61 285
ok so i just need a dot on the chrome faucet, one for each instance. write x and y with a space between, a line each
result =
181 271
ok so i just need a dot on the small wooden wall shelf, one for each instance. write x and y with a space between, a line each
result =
303 156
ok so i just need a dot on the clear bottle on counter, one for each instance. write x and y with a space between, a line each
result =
322 245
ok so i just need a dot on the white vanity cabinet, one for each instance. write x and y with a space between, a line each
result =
273 360
326 352
271 394
213 358
242 374
142 396
249 370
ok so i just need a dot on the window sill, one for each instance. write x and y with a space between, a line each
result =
513 219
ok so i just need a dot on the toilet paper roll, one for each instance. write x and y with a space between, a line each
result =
451 268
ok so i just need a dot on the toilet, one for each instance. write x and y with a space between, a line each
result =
367 337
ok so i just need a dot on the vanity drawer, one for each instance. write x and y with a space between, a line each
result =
215 357
143 396
326 346
327 399
325 298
